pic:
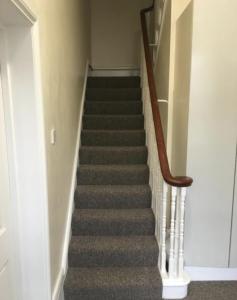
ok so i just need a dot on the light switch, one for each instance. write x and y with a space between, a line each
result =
53 136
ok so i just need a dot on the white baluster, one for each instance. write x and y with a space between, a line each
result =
183 193
176 239
172 232
163 229
158 191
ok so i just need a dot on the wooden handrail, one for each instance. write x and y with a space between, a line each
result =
181 181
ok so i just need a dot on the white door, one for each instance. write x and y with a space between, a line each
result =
5 282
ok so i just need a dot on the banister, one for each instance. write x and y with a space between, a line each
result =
179 181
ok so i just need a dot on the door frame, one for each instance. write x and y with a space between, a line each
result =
5 264
24 122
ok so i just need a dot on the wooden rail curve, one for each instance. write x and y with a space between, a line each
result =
180 181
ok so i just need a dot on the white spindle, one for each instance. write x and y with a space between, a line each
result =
172 232
176 239
158 191
163 228
181 231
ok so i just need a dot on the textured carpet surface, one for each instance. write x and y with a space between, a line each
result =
212 291
113 155
113 196
113 252
113 283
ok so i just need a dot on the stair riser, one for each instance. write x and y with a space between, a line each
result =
117 82
100 94
92 259
116 293
100 228
104 177
82 203
113 283
113 157
113 123
117 108
97 138
89 198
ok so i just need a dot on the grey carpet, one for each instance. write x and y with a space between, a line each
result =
113 94
113 251
113 138
113 174
111 122
212 291
113 155
113 82
113 222
116 196
113 283
113 107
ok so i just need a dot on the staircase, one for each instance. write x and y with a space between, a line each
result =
113 252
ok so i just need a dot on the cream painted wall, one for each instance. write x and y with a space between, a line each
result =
177 8
212 127
162 67
64 28
212 133
116 33
181 91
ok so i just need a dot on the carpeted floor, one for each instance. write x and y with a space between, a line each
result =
213 291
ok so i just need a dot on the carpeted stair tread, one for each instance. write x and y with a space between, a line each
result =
113 82
113 196
113 137
113 251
113 222
113 107
113 283
113 94
112 174
113 155
112 122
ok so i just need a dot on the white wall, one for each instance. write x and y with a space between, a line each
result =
116 33
212 133
64 28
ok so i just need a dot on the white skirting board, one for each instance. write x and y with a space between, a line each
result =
212 274
58 289
118 72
